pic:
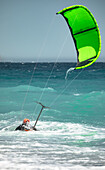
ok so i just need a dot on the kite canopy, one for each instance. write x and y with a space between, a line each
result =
85 33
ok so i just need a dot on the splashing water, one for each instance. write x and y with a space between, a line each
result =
69 70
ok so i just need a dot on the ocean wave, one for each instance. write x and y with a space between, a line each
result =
69 145
25 88
44 166
95 94
92 93
98 92
69 130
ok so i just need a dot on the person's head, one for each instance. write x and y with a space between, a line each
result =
26 121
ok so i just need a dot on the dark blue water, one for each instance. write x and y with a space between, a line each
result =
71 133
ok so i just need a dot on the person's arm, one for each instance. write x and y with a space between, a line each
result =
19 127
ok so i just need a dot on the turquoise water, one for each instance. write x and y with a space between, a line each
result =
71 134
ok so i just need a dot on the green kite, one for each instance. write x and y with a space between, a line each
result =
85 33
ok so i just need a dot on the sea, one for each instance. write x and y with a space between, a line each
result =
70 133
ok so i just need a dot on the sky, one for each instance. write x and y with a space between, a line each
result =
30 30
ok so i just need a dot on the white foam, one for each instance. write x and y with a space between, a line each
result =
77 94
28 166
55 145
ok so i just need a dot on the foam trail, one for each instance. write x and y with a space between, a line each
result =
69 70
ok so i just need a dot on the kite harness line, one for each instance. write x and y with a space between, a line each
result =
39 55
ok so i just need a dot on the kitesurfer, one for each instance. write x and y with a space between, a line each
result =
25 126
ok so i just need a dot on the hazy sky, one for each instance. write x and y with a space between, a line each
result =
30 30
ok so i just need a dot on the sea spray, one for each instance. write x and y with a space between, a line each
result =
69 70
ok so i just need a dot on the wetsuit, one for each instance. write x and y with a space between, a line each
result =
24 127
